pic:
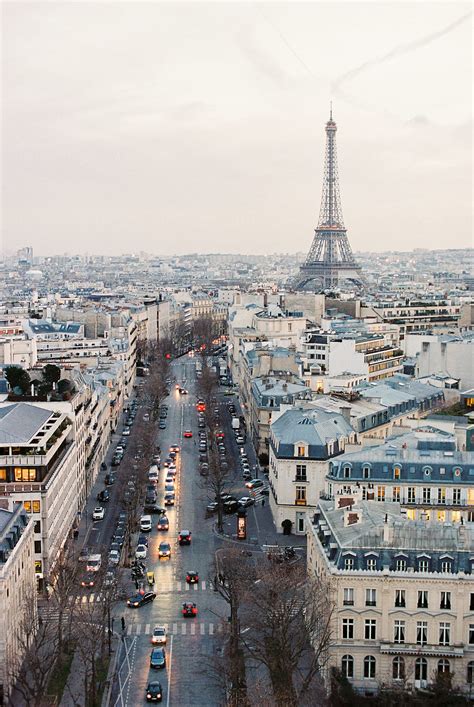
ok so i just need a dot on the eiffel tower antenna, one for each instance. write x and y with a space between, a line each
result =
330 259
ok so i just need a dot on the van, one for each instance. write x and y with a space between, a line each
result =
93 563
145 524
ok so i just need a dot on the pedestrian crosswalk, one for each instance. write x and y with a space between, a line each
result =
164 588
178 628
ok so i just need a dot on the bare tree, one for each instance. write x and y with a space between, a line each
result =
204 332
290 630
64 584
35 642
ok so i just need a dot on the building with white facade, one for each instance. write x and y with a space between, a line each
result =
403 595
444 354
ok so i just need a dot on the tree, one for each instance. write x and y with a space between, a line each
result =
289 618
18 378
204 332
51 374
63 582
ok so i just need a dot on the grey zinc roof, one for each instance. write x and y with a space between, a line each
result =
20 422
315 427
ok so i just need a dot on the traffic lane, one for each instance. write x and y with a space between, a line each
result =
191 680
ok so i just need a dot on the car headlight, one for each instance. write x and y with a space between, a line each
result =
148 694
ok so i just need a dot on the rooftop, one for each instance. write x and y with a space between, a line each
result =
21 422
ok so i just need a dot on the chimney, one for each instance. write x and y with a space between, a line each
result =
345 411
265 299
387 531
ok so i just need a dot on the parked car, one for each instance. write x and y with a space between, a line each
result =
84 554
103 496
114 557
109 479
145 524
98 513
141 552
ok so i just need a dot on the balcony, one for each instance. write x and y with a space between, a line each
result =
454 651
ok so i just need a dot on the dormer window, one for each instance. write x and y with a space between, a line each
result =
397 472
346 470
366 472
301 451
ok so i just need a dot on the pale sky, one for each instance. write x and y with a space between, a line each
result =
199 127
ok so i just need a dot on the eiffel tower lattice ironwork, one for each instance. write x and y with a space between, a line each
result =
330 259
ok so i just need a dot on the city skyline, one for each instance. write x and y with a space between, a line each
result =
128 130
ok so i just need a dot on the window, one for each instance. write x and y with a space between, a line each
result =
371 563
421 669
301 495
370 626
401 564
36 506
347 472
22 474
471 634
397 472
456 496
398 668
3 474
399 632
470 672
37 526
348 563
444 633
421 633
423 565
348 596
348 628
301 472
422 599
471 602
380 493
371 597
369 667
396 494
445 600
348 666
426 494
400 597
366 472
443 666
411 494
38 546
442 495
301 452
446 565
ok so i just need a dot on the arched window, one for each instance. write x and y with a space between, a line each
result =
369 667
398 668
348 666
470 672
421 669
346 470
443 665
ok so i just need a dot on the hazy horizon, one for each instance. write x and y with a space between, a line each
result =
179 128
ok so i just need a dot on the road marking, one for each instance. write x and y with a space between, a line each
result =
211 629
203 629
203 585
84 599
178 586
129 630
147 629
183 629
139 629
175 628
219 628
169 672
193 629
187 587
195 587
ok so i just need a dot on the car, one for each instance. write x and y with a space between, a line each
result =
255 484
142 540
162 425
167 462
163 523
126 431
109 579
98 513
189 609
220 434
103 496
169 488
119 450
172 468
192 577
84 554
247 474
114 557
145 524
169 498
174 448
157 658
230 506
183 391
201 424
212 507
153 476
153 508
187 434
150 498
184 537
146 417
204 468
116 545
119 536
94 563
246 501
138 600
158 637
154 691
239 439
88 580
164 550
116 461
109 479
103 466
141 552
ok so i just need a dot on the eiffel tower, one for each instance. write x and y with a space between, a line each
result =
330 259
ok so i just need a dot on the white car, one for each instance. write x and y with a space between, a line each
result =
246 501
126 431
255 484
145 524
141 552
114 557
146 417
98 513
169 479
158 637
153 477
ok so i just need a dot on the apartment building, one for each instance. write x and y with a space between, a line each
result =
39 466
18 606
403 595
416 315
422 471
444 354
301 443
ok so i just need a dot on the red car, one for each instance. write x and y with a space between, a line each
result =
192 578
220 434
189 609
187 434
